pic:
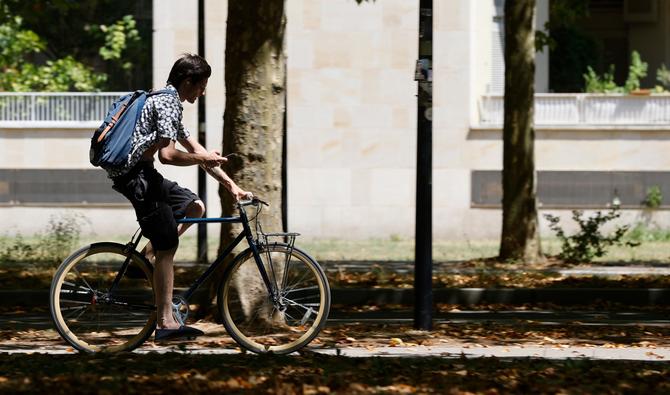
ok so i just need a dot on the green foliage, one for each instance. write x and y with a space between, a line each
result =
636 71
654 197
16 42
59 75
593 83
75 29
663 77
600 84
643 233
57 242
117 39
20 75
589 242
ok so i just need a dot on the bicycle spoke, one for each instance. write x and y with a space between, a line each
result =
75 286
303 305
83 279
302 289
286 267
304 297
304 275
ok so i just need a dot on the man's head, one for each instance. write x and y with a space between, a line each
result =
189 75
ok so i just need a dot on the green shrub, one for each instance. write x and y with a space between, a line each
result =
654 197
636 71
589 242
593 83
57 242
663 77
642 232
601 84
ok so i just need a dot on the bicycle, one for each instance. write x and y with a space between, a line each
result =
273 297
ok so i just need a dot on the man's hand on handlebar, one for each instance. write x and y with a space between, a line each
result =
240 194
254 201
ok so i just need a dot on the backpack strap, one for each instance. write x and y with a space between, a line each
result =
118 115
161 92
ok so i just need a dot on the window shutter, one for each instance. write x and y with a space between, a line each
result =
497 85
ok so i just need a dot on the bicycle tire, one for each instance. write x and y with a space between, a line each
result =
250 317
104 321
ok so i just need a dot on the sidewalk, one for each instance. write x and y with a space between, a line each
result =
453 352
382 337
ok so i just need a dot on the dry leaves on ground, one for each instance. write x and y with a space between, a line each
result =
319 374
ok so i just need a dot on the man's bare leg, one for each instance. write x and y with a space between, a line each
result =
149 253
163 283
194 210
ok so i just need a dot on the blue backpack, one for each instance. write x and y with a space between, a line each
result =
111 142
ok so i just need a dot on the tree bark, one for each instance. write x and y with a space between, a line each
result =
253 118
520 239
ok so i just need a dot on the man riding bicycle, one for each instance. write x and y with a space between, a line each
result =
158 202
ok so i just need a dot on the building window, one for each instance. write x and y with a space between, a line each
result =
576 189
59 186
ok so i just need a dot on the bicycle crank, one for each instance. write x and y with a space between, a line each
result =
180 309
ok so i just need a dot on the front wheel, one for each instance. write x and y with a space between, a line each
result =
262 325
96 312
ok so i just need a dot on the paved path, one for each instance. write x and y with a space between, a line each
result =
455 351
451 349
456 268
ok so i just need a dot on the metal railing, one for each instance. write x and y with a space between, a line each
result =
54 109
585 110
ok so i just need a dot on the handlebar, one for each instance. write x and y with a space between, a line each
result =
254 201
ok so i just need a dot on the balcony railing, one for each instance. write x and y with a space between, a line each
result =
583 110
54 109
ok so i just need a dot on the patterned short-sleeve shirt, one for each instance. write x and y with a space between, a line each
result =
161 118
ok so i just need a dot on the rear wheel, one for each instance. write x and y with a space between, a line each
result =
257 323
90 314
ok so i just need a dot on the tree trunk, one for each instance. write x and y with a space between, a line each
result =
253 119
253 127
520 239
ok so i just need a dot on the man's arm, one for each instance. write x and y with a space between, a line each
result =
193 146
169 154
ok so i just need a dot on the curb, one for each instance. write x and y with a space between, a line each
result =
458 296
474 296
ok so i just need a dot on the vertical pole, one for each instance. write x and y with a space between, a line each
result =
423 270
202 139
284 161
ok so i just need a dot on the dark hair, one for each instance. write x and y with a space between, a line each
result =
191 66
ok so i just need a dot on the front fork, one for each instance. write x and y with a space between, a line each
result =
272 289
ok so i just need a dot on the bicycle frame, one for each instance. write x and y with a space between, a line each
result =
246 233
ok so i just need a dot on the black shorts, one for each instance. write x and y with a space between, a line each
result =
158 203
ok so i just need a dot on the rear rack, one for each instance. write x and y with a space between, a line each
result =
288 238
